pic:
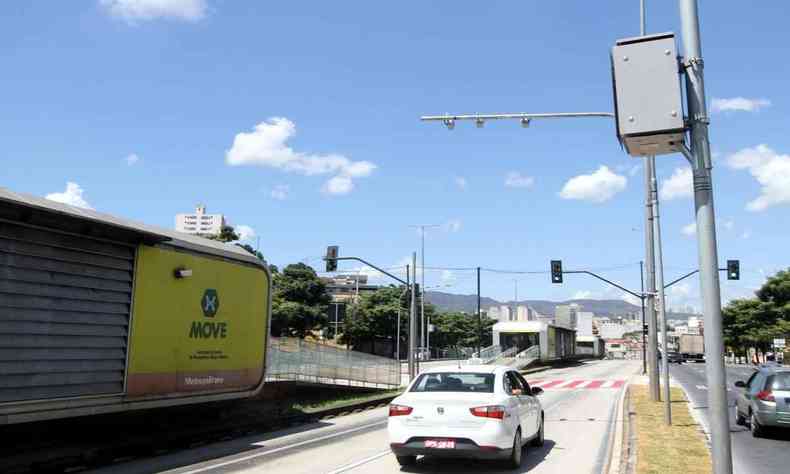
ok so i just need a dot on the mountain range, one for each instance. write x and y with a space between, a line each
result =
607 308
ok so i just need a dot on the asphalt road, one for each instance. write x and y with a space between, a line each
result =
750 455
578 434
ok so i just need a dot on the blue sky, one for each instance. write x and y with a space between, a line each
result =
300 120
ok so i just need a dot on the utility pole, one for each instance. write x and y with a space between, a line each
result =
644 336
423 322
661 299
479 316
413 318
400 306
701 163
650 262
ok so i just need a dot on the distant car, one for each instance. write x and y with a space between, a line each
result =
675 358
476 411
765 399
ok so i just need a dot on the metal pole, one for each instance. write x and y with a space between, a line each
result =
661 298
644 336
652 323
424 327
336 308
413 318
706 240
479 316
400 307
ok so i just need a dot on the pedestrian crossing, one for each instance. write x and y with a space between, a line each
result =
575 384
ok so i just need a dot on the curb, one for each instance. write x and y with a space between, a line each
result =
620 447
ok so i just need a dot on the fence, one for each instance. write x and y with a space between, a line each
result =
297 359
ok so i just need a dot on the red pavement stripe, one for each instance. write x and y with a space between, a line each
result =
552 383
618 383
595 384
574 384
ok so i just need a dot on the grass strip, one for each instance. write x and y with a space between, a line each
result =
679 448
342 400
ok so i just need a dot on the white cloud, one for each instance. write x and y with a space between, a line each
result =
583 295
338 185
266 146
680 291
132 11
598 187
73 196
448 277
132 159
514 179
770 169
747 234
460 181
689 229
679 185
453 225
728 224
738 104
245 232
280 192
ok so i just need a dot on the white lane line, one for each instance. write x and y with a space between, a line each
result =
283 448
351 466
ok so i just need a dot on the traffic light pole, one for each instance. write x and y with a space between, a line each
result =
700 158
413 318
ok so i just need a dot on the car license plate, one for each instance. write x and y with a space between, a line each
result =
440 443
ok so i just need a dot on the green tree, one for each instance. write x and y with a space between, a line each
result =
776 290
299 301
456 329
226 234
375 316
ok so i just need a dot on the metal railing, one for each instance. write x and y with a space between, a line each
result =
525 357
503 357
488 354
296 359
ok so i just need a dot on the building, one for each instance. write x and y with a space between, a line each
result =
200 223
522 313
566 314
584 323
554 342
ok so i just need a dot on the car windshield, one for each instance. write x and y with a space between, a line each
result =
454 382
780 381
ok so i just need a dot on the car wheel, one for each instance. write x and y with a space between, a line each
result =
515 455
740 420
406 460
538 440
757 429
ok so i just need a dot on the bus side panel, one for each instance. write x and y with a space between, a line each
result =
205 332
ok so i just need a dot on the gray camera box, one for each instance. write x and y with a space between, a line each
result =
647 95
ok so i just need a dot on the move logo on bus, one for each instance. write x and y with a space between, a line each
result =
209 303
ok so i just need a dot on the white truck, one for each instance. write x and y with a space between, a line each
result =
692 347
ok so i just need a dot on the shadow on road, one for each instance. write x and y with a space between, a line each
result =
531 458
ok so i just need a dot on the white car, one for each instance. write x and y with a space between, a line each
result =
475 411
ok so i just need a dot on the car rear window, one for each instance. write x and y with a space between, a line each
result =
454 382
780 381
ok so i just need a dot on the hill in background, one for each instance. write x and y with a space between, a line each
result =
607 308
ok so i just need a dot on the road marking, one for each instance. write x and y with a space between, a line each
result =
351 466
283 448
702 387
576 384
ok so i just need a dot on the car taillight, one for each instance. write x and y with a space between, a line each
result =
400 410
492 411
766 396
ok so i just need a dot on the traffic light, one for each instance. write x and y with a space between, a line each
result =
733 269
556 271
331 258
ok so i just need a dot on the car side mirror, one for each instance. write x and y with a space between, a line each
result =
536 391
740 383
516 391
